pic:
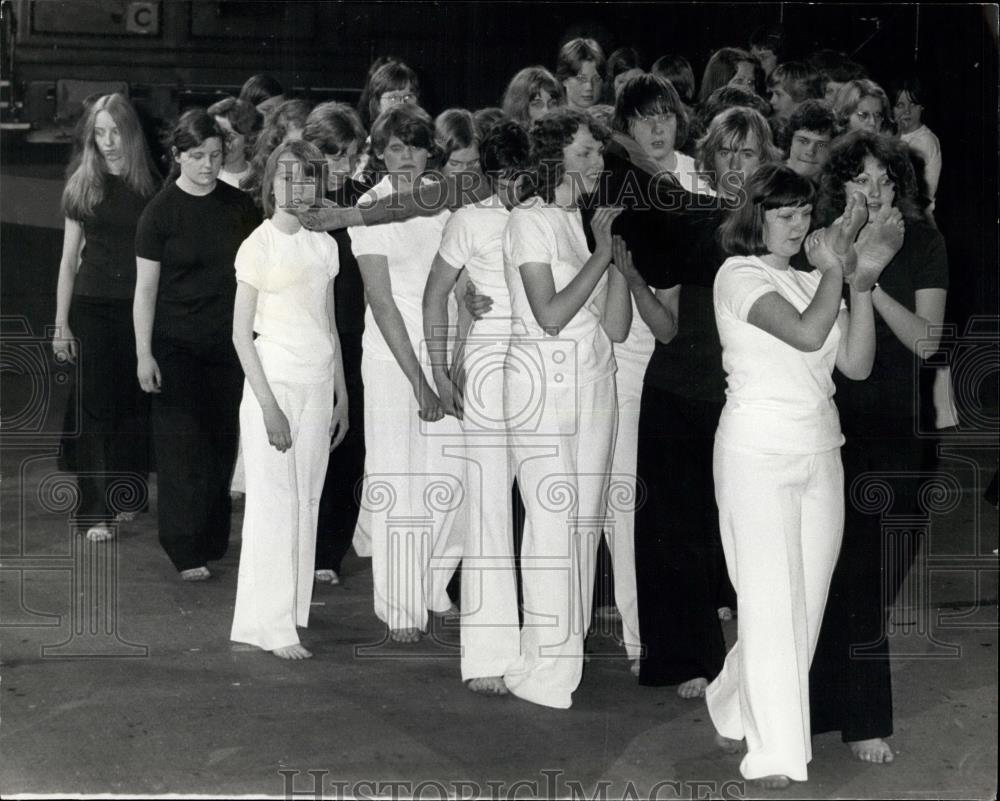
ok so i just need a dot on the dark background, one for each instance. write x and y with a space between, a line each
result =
466 53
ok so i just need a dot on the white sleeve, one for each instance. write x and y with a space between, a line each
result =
251 262
738 285
457 242
531 238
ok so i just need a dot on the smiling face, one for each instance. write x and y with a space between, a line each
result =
874 183
200 164
656 133
403 160
808 152
464 159
109 142
744 77
583 161
785 228
868 116
582 88
907 113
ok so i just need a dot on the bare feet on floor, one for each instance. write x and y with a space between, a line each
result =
727 744
487 685
404 635
99 533
196 574
874 750
693 688
326 577
778 781
725 613
297 651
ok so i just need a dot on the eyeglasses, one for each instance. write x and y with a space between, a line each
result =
664 118
398 97
865 116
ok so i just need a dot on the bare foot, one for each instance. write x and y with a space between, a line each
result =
693 688
487 685
100 533
877 245
840 235
777 781
196 574
725 613
634 668
874 750
728 744
326 577
404 635
296 651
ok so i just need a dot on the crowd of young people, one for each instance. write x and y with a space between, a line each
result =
627 303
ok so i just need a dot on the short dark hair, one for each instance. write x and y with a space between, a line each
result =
847 159
390 77
813 115
910 84
648 94
192 128
574 53
677 70
486 118
242 115
772 186
549 135
505 152
800 80
332 127
726 97
769 37
410 124
623 60
259 88
454 129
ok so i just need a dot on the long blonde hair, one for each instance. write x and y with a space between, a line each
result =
85 186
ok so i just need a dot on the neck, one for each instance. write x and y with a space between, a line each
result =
773 260
192 188
667 162
285 221
564 196
401 181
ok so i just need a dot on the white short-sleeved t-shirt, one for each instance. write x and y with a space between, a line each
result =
551 235
473 238
291 273
778 399
926 143
410 247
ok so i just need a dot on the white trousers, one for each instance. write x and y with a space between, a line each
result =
619 530
782 519
562 452
413 491
275 582
489 622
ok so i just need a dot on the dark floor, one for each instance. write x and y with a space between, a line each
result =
118 678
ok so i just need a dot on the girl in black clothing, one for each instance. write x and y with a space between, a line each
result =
186 245
110 181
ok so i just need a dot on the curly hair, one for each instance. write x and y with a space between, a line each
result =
549 136
505 152
290 116
645 95
259 88
243 116
772 186
847 159
813 115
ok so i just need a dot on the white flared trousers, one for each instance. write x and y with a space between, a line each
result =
561 440
275 582
413 492
489 623
619 530
782 519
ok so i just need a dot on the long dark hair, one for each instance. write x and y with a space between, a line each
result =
772 186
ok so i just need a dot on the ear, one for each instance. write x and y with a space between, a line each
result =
175 154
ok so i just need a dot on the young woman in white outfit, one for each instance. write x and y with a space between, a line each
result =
473 242
412 488
559 397
294 403
778 474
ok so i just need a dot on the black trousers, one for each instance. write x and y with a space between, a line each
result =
681 577
196 435
110 455
850 684
338 506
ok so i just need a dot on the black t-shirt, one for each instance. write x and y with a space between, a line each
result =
889 397
348 288
195 239
107 265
